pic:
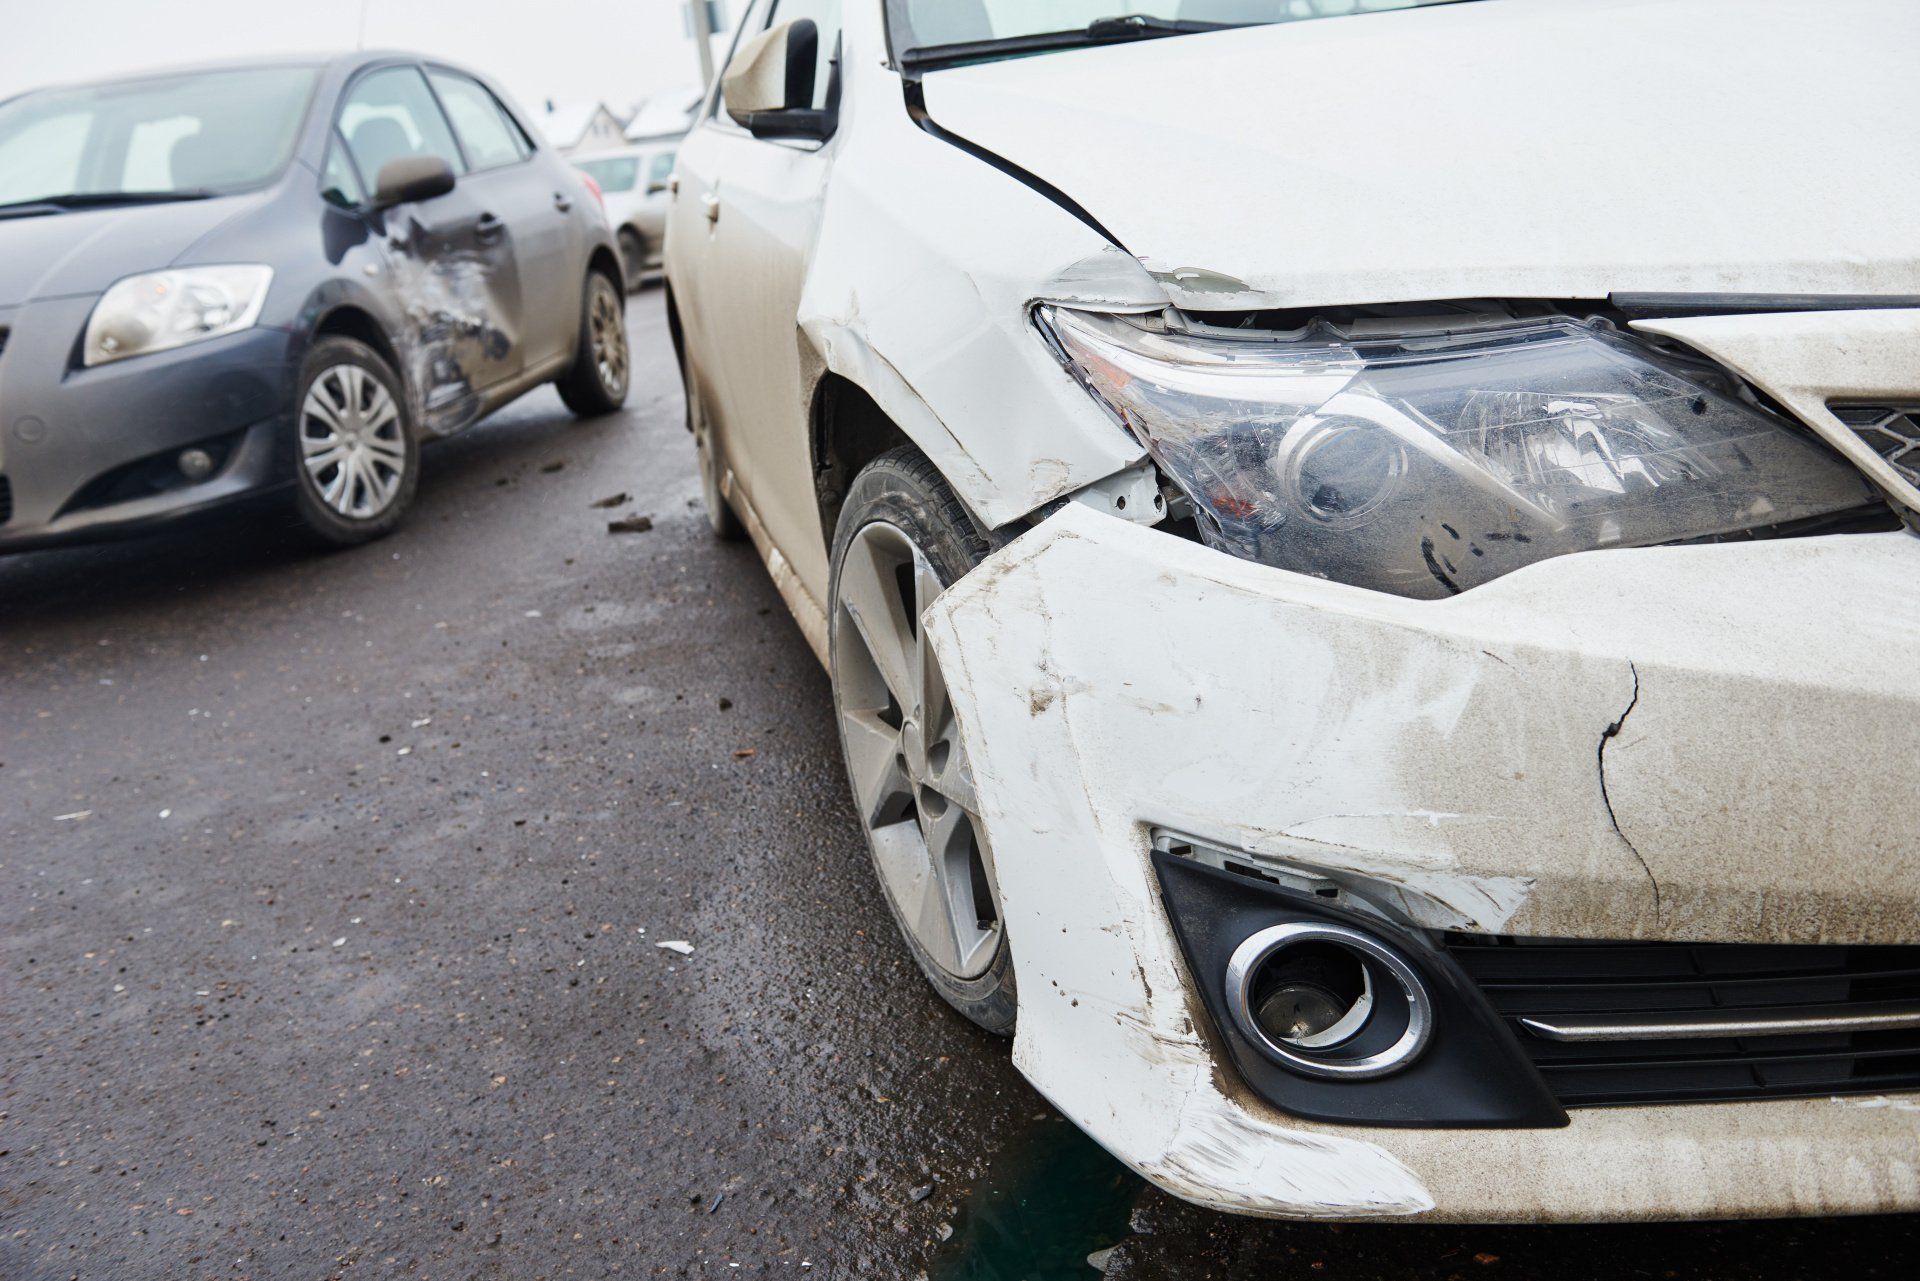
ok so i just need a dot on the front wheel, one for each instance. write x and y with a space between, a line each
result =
903 537
357 461
597 382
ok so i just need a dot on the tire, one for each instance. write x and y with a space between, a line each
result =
902 538
597 382
633 259
721 519
356 460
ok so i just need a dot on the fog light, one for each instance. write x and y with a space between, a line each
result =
1328 1000
195 464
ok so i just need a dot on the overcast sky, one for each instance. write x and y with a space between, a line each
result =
616 50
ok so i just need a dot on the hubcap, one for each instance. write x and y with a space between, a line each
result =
911 780
351 442
609 337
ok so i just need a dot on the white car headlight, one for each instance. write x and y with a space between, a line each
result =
165 309
1425 465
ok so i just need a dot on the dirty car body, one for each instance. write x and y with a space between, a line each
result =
1435 706
175 247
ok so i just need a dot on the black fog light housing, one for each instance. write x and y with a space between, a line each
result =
1337 1014
1328 1000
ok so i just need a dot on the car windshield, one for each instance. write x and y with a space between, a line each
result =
927 33
186 135
615 174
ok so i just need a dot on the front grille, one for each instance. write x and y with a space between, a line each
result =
1891 431
1557 983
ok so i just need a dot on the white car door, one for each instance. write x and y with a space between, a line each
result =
753 206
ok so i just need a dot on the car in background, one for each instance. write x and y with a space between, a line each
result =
1366 617
279 278
633 183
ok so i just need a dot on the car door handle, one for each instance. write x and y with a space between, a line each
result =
711 203
489 228
561 202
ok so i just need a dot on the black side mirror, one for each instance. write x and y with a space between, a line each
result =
412 178
769 85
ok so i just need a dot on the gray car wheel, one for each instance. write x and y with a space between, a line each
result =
356 460
902 539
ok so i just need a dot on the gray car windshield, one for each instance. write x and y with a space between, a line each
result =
208 133
929 33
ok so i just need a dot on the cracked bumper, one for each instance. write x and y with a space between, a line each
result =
1684 743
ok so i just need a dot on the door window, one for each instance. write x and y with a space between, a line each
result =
659 171
391 115
339 184
484 130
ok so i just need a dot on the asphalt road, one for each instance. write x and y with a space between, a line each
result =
330 896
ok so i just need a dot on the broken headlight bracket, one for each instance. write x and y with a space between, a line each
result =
1332 1012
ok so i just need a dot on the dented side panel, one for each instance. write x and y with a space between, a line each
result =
1550 754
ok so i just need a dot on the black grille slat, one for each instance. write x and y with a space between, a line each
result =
6 500
1891 431
1549 979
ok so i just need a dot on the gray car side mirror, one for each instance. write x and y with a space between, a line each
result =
768 88
412 178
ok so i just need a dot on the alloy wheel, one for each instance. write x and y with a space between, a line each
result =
351 442
911 779
609 337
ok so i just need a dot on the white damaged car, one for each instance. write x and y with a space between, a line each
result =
1363 554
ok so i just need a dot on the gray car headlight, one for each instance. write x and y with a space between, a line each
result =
166 309
1425 465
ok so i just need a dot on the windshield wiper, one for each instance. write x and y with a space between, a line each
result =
1115 30
99 200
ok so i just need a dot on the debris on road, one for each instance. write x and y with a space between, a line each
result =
630 525
67 818
612 500
554 466
921 1193
681 946
743 753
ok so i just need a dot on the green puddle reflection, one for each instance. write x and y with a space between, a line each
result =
1052 1197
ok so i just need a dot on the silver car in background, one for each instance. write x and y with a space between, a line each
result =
633 182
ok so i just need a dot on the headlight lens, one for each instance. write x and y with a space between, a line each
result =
1427 465
164 309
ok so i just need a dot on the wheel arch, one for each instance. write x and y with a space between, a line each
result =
847 430
349 320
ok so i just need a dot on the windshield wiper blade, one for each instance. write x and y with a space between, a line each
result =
104 200
1115 30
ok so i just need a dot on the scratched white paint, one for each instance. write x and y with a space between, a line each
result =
1113 680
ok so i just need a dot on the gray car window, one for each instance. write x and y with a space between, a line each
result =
489 139
389 115
338 182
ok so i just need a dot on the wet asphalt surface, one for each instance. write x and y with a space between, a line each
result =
330 890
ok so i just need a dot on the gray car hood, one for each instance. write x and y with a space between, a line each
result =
82 252
1502 148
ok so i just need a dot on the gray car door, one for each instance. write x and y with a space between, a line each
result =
454 272
506 175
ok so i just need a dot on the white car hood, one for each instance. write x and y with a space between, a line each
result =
1500 148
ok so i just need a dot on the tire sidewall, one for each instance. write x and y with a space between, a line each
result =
321 521
902 489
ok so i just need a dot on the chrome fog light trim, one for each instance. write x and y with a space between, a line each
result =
1314 1054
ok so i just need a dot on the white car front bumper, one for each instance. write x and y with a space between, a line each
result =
1687 743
